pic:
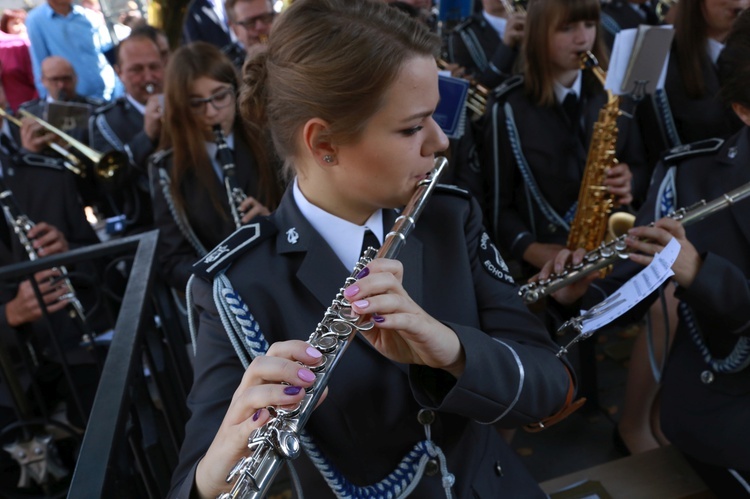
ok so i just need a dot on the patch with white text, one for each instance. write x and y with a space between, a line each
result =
491 260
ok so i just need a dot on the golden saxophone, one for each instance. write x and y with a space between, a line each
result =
592 219
606 254
21 225
278 439
235 194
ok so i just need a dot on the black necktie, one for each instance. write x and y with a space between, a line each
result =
369 240
570 106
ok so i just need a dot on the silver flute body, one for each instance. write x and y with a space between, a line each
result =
278 439
235 195
21 225
610 252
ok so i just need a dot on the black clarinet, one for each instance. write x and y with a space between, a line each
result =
21 225
235 195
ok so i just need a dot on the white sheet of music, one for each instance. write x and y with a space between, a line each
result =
632 292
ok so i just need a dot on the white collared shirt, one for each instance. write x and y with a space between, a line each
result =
344 237
561 91
714 49
497 23
141 108
211 149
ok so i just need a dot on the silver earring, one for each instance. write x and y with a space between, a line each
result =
328 158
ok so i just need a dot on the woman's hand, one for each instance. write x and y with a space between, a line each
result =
538 254
261 387
564 258
24 307
403 332
651 240
251 208
618 182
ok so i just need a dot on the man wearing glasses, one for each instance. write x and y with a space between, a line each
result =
250 21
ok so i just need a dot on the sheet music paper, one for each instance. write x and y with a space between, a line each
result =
639 55
635 290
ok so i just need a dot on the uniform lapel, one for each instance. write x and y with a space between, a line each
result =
320 270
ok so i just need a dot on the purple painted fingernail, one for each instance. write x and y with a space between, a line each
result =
306 375
361 303
351 290
363 273
313 352
292 390
256 415
378 318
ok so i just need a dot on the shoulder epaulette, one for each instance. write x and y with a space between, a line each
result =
693 149
234 246
159 156
106 106
96 103
452 189
39 160
508 85
29 104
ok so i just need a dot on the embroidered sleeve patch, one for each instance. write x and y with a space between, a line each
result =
491 260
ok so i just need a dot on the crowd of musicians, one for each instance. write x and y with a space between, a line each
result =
266 145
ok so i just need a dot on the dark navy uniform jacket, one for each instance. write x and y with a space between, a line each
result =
369 420
674 118
176 254
202 24
704 413
476 46
620 14
556 156
49 195
119 126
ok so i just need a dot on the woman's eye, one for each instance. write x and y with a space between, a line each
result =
413 130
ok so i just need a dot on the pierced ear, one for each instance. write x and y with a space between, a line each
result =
315 136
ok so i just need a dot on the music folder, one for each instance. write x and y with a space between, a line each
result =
450 113
67 116
639 60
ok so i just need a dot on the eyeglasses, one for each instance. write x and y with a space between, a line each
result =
59 79
250 22
219 100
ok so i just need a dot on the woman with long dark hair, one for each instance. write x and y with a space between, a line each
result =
191 205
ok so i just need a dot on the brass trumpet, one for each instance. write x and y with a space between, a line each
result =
71 162
106 165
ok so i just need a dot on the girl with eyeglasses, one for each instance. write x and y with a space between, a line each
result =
191 205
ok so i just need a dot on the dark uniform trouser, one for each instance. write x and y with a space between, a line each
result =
720 481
